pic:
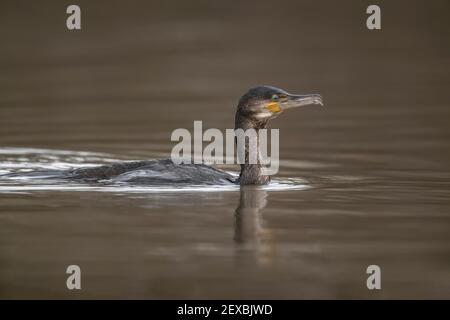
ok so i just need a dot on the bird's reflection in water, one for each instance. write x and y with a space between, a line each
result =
252 236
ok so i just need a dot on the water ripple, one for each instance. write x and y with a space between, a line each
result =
26 160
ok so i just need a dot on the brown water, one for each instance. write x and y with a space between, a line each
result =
375 160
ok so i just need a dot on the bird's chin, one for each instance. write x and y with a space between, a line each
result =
266 115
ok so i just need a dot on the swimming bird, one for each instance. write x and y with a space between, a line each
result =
254 110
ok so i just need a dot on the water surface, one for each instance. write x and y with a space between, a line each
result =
364 180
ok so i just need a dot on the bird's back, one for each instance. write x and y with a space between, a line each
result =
153 172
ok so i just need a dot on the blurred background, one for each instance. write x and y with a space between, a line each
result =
376 156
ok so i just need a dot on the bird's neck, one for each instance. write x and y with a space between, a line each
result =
251 173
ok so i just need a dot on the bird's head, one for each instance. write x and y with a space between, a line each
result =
263 103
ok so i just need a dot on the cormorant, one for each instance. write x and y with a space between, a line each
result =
254 110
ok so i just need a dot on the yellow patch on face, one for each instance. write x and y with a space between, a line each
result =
273 107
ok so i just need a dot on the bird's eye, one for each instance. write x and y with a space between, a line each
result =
275 97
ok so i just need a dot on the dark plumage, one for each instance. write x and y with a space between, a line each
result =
254 110
152 172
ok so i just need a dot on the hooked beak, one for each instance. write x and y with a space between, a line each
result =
294 101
